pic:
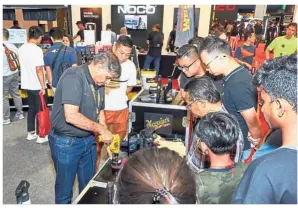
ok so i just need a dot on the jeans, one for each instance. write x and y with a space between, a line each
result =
71 156
11 86
148 61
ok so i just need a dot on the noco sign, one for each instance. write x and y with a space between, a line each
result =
130 9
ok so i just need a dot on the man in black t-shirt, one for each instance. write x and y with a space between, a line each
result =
272 178
239 95
188 61
80 33
271 34
77 115
172 38
155 43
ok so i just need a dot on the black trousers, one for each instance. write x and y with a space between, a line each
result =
34 107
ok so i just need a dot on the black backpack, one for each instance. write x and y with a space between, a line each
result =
63 65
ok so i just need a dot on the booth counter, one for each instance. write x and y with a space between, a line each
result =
172 122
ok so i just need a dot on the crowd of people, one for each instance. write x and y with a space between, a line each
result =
253 35
218 88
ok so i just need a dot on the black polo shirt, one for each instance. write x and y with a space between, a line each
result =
74 88
155 44
239 95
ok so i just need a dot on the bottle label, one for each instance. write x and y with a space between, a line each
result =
27 202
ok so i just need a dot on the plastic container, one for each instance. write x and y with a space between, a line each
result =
148 79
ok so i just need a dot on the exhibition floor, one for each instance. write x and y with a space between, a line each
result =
26 160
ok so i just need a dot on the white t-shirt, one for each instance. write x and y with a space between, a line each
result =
30 56
6 69
117 98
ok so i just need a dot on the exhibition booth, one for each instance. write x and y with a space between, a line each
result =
95 19
153 110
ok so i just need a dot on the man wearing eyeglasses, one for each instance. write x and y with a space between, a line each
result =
239 96
188 61
76 117
202 97
284 45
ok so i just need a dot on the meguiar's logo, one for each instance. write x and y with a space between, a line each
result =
163 122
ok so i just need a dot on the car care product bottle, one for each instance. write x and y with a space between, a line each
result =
158 91
168 95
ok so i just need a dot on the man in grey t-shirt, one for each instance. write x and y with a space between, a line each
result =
77 115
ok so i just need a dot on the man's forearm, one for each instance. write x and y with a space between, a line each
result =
129 89
102 119
49 75
168 43
239 61
82 122
255 131
39 72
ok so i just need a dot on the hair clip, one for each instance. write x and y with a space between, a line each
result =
158 193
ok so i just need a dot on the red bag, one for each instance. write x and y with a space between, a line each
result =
43 116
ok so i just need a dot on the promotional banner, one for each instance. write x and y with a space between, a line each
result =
92 19
161 122
185 25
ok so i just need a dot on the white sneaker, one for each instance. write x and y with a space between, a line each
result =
6 121
31 136
41 140
20 116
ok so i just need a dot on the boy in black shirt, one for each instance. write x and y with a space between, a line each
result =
272 179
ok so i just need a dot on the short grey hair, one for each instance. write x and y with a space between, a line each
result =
5 33
110 62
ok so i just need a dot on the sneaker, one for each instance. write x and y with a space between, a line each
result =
41 140
6 121
20 116
31 136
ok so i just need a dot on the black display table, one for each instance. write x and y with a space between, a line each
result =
166 65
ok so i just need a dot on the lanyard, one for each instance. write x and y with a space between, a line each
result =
95 96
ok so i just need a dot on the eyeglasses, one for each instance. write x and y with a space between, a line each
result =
185 68
208 65
188 106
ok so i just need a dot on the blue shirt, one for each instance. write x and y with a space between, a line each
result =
270 179
245 53
70 57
